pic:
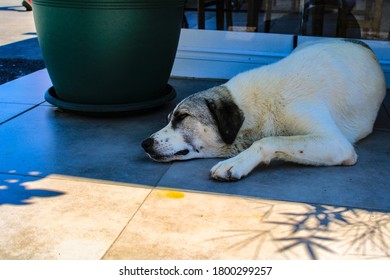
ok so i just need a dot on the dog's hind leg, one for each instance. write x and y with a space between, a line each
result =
312 149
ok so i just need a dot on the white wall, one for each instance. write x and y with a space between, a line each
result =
223 54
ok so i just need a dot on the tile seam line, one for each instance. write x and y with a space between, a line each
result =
162 176
21 113
126 225
135 213
19 103
21 175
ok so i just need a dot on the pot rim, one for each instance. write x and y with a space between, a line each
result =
111 4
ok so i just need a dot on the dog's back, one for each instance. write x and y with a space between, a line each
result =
343 75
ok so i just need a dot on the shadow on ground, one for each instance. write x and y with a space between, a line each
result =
14 192
19 59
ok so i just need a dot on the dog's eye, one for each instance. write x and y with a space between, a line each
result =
181 117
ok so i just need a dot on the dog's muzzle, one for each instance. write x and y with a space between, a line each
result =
148 145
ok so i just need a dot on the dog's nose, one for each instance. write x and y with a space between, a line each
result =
147 144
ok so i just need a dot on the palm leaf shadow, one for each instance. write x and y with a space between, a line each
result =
13 192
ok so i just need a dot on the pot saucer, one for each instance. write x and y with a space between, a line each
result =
52 98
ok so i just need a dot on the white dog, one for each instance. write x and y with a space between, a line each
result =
308 108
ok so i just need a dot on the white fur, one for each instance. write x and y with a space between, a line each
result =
308 108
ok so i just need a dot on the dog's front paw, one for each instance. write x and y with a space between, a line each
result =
232 169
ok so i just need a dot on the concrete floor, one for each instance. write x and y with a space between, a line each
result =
80 187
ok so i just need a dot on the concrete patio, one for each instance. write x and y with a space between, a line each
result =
80 187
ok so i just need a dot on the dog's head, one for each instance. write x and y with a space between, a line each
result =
200 126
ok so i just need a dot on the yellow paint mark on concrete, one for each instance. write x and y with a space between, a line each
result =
171 194
175 194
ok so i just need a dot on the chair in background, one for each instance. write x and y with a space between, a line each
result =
369 19
253 14
316 9
271 6
366 21
220 7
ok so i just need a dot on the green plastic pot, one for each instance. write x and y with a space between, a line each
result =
108 55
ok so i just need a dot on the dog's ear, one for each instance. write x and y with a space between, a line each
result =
228 116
